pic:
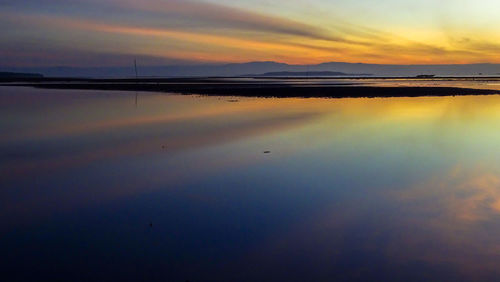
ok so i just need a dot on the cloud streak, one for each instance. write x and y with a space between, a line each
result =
215 32
228 17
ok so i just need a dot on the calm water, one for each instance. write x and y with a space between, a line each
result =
352 189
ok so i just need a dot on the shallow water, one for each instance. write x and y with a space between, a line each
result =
100 185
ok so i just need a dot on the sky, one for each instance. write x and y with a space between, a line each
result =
158 32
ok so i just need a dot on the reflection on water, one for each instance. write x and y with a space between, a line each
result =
354 189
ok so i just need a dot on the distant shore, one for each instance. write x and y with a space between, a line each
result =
252 88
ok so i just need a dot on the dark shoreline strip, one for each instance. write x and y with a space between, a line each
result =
270 90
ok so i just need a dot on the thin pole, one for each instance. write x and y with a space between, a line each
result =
135 67
136 79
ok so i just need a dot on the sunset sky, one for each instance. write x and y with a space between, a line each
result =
110 32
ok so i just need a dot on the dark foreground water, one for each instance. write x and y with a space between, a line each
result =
99 186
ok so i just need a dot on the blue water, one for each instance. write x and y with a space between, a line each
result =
101 186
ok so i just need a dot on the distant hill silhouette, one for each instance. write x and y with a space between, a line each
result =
20 75
239 69
305 74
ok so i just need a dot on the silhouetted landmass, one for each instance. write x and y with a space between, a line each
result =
306 74
20 75
240 69
242 87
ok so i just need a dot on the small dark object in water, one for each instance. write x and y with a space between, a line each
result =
426 76
233 101
163 147
267 152
151 224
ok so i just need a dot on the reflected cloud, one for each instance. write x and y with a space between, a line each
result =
443 228
462 196
161 138
149 143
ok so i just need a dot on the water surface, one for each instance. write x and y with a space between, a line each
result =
103 185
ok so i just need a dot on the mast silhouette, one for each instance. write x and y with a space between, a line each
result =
135 68
136 80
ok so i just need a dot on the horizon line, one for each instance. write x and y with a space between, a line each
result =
246 62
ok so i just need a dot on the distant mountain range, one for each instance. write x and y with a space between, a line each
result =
305 74
240 69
